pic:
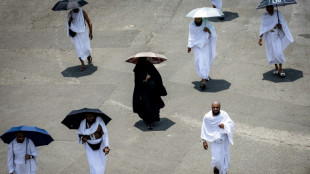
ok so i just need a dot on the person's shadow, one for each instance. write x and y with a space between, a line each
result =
228 16
290 76
213 85
162 125
75 71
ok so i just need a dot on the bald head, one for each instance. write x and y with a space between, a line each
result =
216 107
216 103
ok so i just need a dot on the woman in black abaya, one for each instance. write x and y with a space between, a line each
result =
147 92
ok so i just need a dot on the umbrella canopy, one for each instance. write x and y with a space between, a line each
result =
152 57
205 12
68 4
74 118
40 137
265 3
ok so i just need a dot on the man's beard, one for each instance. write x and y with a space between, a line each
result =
270 13
216 113
198 23
91 122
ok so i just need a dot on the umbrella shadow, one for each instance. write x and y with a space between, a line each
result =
74 71
162 125
291 75
229 16
213 85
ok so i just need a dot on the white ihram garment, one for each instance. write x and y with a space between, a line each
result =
217 4
96 158
274 44
218 138
81 39
204 45
16 157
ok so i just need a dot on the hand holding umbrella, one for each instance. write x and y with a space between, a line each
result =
266 3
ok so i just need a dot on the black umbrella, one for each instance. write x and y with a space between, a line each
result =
68 4
74 118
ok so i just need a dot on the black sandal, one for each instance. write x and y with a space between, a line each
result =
203 86
82 68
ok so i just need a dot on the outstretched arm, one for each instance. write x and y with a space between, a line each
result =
89 25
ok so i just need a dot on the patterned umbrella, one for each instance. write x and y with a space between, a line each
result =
68 4
152 57
276 3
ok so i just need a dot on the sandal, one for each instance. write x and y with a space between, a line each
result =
82 68
275 72
203 86
282 74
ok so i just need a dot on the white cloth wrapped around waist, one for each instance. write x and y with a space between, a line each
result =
96 141
221 140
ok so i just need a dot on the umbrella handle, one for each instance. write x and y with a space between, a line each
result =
278 14
205 22
26 149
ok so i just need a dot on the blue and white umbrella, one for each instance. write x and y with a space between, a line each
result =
275 3
40 137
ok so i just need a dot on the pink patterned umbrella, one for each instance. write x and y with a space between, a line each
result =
152 57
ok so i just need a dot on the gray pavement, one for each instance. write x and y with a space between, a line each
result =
40 83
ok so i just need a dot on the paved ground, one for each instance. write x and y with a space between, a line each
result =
40 83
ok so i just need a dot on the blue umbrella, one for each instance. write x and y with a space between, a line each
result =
39 136
276 3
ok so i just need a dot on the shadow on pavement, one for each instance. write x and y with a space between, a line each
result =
290 76
213 85
162 125
74 71
229 16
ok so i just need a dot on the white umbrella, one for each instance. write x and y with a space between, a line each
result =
152 57
205 12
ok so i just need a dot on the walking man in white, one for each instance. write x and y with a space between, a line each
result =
217 129
22 155
277 35
217 4
76 30
94 135
202 38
